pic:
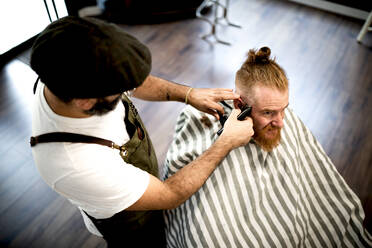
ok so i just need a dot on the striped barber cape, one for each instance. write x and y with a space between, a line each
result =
290 197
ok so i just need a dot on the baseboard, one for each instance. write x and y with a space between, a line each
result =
335 8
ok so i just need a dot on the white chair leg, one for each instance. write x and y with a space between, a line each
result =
365 27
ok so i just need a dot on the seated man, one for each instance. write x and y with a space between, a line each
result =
280 190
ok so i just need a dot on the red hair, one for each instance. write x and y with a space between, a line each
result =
260 69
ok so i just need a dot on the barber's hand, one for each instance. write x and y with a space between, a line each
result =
237 133
206 100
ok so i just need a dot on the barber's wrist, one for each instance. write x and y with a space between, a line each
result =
225 142
187 96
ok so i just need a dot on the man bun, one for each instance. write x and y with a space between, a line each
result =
259 68
261 56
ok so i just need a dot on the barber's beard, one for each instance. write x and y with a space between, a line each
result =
102 106
266 141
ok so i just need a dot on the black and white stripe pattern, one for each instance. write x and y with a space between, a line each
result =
290 197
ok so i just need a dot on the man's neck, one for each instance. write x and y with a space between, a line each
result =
61 108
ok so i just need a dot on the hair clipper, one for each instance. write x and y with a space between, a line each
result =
246 111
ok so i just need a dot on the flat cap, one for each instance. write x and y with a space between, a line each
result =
89 58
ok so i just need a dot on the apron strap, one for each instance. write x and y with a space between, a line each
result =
71 137
35 85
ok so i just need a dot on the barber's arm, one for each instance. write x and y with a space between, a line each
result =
180 186
206 100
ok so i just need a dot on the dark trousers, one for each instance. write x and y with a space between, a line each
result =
117 232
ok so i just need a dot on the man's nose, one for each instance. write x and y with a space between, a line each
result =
278 121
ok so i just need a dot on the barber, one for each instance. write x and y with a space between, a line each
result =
89 143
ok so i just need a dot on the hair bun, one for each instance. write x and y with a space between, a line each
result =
263 55
260 57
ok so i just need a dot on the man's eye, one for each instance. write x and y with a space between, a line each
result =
267 113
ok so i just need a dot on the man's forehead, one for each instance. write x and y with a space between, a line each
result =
266 98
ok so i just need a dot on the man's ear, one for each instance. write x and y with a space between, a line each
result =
84 104
238 103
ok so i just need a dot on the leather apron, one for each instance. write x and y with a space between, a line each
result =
142 227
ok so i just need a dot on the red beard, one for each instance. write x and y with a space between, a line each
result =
268 137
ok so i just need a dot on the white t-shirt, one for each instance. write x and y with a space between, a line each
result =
93 177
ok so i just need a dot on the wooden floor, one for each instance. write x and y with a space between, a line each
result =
330 89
